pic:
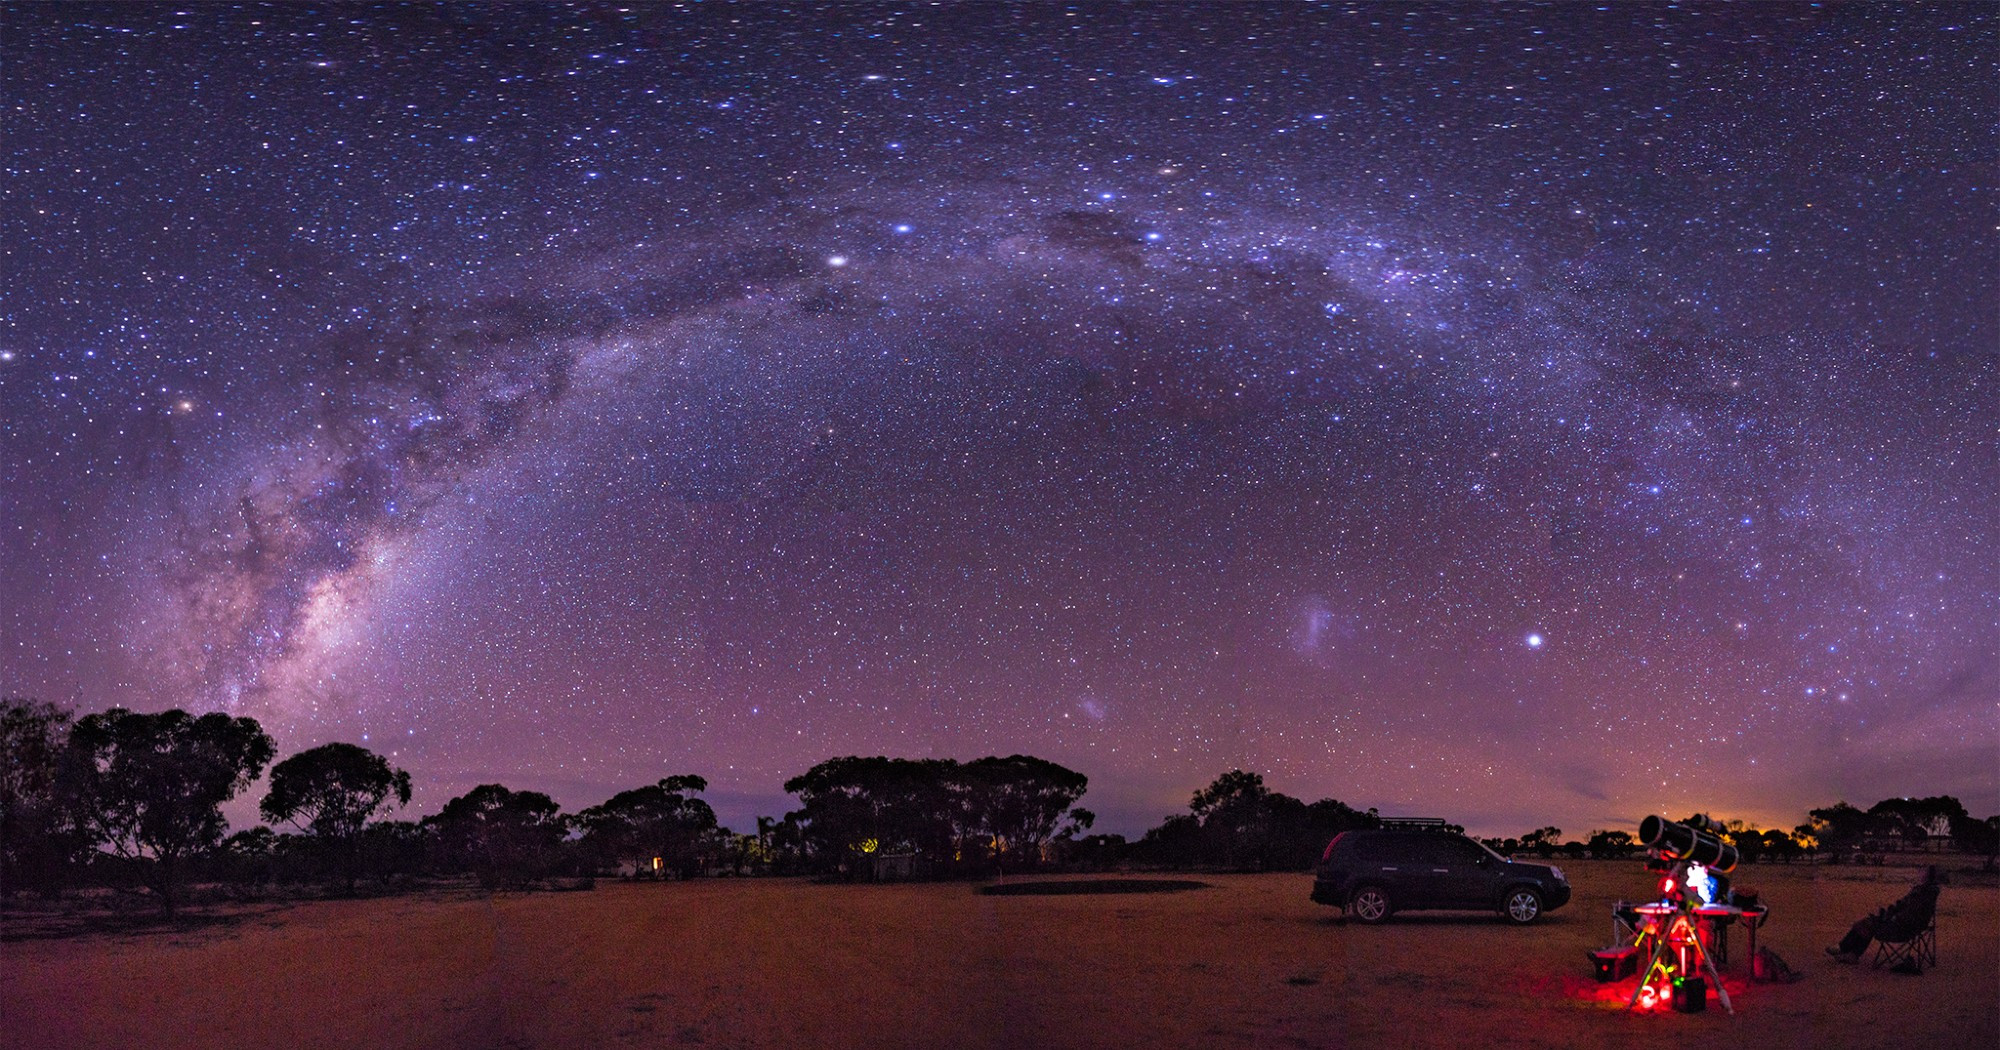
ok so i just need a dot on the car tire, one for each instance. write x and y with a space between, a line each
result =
1523 906
1369 904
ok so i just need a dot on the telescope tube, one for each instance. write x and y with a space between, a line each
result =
1681 842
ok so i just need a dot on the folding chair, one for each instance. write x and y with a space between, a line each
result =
1917 951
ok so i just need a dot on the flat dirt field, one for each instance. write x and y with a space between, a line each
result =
1246 962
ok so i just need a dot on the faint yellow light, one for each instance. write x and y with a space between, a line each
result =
659 863
869 845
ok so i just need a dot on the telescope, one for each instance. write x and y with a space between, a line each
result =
1701 846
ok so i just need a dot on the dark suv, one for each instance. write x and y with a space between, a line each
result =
1375 873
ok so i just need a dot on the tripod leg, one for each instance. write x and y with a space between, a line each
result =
1646 975
1709 965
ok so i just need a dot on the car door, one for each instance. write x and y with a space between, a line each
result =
1426 870
1388 860
1467 880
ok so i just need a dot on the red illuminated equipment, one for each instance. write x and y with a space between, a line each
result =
1616 962
1677 938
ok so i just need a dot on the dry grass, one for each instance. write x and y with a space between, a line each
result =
1248 962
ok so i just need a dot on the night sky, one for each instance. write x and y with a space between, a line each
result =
1516 415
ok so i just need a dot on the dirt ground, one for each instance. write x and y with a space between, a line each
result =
1246 962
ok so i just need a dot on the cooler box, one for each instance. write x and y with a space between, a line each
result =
1612 964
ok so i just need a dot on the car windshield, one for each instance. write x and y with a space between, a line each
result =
1488 849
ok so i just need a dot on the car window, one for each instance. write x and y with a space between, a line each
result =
1384 849
1463 851
1440 850
1429 849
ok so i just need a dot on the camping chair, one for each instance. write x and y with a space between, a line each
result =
1910 945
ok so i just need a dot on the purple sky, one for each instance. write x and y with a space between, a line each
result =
1519 416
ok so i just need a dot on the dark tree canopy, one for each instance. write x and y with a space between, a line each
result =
1016 803
388 849
1612 843
508 838
1915 819
946 813
331 791
1543 841
1837 827
659 820
37 837
854 807
151 787
1237 822
1235 787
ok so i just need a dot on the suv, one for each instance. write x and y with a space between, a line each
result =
1375 873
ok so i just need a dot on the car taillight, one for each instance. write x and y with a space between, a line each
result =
1328 855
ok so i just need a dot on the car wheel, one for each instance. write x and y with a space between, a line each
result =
1370 904
1523 906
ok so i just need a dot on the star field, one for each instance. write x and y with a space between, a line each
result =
1524 415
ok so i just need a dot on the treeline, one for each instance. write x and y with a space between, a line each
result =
120 799
1840 833
124 799
1238 824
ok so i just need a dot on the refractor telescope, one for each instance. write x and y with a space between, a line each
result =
1697 845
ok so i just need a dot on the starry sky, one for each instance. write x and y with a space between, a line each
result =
1521 415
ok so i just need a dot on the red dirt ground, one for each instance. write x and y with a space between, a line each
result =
1248 962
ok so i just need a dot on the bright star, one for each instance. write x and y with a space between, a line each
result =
1534 641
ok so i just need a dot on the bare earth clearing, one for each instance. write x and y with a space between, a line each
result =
1248 962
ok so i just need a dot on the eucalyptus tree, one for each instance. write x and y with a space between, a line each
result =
150 787
330 792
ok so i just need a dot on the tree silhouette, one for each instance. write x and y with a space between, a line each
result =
856 807
391 848
1837 827
655 821
330 792
1233 788
1238 822
1543 841
507 838
1914 819
247 857
1176 842
38 839
1014 804
1779 844
1981 837
151 787
1615 843
1241 820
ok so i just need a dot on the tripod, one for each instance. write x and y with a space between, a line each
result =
1677 949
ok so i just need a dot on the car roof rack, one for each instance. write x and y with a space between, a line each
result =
1415 823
